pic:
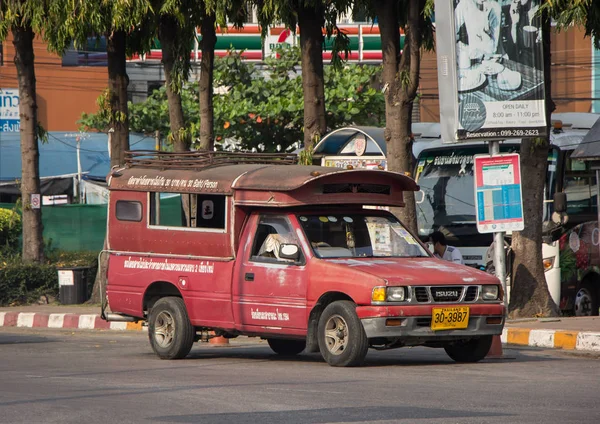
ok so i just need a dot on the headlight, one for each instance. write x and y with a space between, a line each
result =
489 292
548 263
388 294
396 294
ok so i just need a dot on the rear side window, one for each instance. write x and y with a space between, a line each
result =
188 210
127 210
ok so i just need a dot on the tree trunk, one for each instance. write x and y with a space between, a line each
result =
205 88
311 22
401 82
33 243
117 84
529 295
119 126
168 39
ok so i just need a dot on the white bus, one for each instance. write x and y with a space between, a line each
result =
444 173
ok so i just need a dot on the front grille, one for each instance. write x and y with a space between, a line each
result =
421 294
471 295
446 293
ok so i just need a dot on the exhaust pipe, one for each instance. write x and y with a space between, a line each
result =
119 318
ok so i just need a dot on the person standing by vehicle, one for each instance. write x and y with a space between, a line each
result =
441 249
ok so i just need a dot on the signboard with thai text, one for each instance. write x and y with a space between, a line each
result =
498 195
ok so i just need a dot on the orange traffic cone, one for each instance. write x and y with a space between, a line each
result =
495 351
217 340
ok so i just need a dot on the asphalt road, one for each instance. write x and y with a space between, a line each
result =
49 376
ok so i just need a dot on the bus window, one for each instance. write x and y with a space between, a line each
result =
580 187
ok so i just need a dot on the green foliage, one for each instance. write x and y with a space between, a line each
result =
567 13
262 108
10 230
24 283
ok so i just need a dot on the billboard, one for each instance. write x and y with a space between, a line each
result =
9 110
490 69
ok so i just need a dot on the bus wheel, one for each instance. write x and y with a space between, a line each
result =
473 350
342 338
169 329
586 300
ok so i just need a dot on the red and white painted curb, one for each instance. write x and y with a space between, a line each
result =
66 321
553 339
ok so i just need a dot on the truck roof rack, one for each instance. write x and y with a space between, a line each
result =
203 159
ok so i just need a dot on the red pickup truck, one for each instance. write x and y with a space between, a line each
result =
215 244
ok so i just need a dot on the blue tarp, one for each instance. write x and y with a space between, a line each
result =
59 155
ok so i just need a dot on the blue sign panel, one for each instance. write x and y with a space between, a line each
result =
9 110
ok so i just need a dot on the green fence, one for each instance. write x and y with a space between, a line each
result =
73 227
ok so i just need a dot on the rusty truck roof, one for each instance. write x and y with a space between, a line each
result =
257 183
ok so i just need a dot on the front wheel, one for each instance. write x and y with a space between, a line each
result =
473 350
586 301
287 347
169 329
342 338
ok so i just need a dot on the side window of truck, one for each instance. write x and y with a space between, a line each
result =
271 233
206 211
580 187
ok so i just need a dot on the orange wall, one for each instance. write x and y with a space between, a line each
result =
63 93
571 76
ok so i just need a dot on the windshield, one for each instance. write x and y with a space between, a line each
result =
446 181
359 236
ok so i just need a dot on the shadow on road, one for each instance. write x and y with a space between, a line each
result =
8 339
328 415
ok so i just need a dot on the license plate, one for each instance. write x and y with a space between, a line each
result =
450 318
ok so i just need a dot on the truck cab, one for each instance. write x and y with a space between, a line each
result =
219 244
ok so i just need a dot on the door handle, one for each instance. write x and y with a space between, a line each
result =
249 276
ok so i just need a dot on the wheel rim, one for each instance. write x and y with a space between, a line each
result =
336 335
164 329
583 303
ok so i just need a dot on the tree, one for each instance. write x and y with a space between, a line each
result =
176 32
260 110
401 69
23 19
121 23
311 16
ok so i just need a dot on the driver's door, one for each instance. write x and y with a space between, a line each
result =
271 291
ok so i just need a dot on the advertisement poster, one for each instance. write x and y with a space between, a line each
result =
491 69
9 110
498 196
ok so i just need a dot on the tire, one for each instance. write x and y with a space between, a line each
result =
341 336
473 350
287 347
586 300
169 329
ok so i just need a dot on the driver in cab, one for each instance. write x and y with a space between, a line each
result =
441 250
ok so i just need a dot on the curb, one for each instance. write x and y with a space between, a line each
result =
66 321
553 339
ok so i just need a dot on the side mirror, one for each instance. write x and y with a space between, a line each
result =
560 202
289 251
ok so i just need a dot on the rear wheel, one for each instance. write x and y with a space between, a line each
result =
473 350
287 347
586 300
169 329
342 338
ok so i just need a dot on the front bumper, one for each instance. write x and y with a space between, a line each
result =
418 324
